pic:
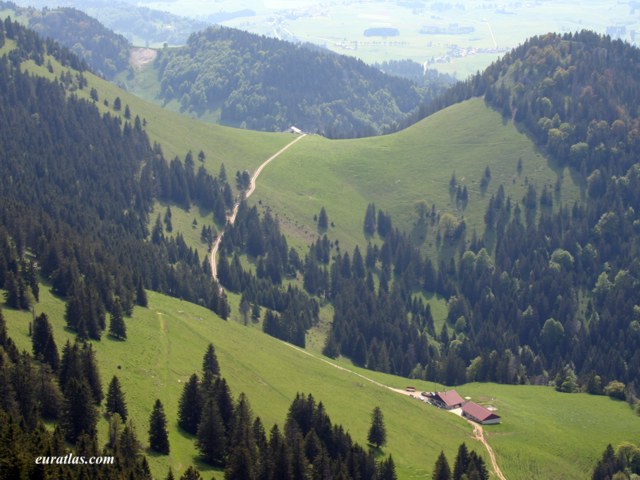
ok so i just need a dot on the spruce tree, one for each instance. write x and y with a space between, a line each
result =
323 220
441 471
212 440
377 433
190 406
191 474
91 372
115 399
370 220
462 462
158 436
210 361
44 345
79 413
387 469
117 327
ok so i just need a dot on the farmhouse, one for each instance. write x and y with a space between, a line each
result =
447 400
479 414
295 130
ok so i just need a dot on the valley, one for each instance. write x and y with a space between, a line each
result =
489 247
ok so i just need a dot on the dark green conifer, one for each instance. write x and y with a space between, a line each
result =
79 412
190 406
377 432
115 399
441 471
210 361
212 439
158 436
117 327
44 345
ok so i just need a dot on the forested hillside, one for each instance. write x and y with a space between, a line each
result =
554 296
266 84
105 52
79 188
546 292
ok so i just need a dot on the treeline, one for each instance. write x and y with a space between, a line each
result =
467 465
267 84
622 463
105 52
76 198
229 436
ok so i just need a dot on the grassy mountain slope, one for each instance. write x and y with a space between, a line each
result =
396 171
176 134
165 346
166 341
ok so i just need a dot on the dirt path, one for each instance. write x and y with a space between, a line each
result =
213 258
478 431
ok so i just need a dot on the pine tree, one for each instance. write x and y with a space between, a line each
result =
91 372
212 440
190 406
210 361
44 345
462 462
377 433
79 412
141 294
387 469
441 471
115 399
191 474
370 220
158 436
117 327
323 220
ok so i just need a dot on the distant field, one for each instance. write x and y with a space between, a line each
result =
340 26
397 171
544 434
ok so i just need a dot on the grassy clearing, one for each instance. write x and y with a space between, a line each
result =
397 171
182 222
544 434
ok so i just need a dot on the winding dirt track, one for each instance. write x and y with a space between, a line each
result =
213 260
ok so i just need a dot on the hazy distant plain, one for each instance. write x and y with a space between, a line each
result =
339 25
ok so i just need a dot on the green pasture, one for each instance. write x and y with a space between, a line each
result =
165 346
399 170
544 434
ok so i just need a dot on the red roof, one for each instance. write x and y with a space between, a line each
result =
450 398
478 411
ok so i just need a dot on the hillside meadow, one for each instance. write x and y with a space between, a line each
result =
166 343
399 170
544 434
